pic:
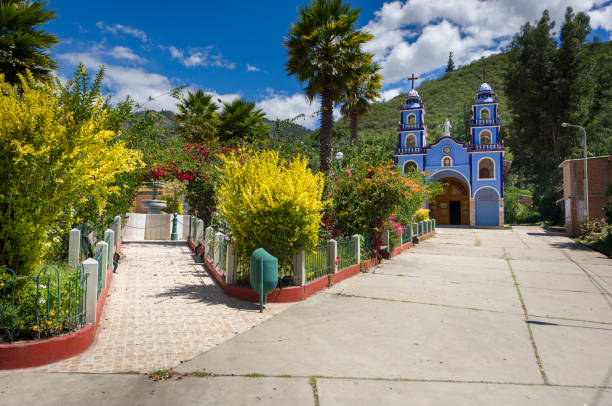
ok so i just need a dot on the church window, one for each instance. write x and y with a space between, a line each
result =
410 166
411 119
485 137
484 114
486 169
410 141
447 162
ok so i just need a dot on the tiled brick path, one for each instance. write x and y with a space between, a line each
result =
163 308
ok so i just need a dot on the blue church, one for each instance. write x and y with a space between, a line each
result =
472 173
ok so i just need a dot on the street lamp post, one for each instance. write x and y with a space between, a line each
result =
586 169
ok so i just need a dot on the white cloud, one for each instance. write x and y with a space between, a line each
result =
125 53
199 57
251 68
125 29
284 106
390 94
417 35
602 18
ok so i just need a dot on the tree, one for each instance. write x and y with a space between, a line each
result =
546 85
48 163
362 88
450 66
23 45
197 117
240 120
322 47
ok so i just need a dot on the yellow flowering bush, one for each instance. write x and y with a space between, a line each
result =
270 203
421 215
50 161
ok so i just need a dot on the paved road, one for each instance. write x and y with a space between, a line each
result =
470 317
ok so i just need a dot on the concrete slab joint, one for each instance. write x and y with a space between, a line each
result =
74 248
356 247
332 254
90 267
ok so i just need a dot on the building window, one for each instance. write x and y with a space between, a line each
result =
447 162
410 141
486 169
410 166
411 119
484 114
485 137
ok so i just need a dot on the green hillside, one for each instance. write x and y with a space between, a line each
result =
449 96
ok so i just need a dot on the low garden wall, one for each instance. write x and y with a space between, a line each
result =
88 289
220 261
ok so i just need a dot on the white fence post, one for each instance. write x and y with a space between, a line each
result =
111 247
356 247
74 248
299 268
116 227
231 264
209 234
332 254
90 267
217 250
102 245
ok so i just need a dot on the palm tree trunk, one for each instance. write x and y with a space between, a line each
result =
327 106
354 117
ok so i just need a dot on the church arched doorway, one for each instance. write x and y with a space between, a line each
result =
452 206
487 201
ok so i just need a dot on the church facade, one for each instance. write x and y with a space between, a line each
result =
472 173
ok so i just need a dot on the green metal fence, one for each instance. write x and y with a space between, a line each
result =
223 256
242 271
107 240
407 235
45 305
316 262
395 240
345 253
211 247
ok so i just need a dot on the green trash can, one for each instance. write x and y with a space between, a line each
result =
264 274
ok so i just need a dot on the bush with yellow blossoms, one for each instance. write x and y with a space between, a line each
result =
271 203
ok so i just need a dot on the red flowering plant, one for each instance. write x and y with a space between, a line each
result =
370 195
198 166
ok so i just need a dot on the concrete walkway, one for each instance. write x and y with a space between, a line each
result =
470 317
163 308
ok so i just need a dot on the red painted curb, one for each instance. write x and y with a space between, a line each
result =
290 293
41 352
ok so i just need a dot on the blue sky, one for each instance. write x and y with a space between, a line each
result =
234 49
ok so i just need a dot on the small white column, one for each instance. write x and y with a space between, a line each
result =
299 268
217 250
356 247
209 234
111 248
116 227
102 245
74 248
332 254
231 264
199 236
90 267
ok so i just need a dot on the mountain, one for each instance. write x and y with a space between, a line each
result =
449 96
287 128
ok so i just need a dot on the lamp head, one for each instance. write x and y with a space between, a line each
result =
564 125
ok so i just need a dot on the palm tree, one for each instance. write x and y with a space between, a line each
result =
323 45
362 89
23 45
240 119
197 117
